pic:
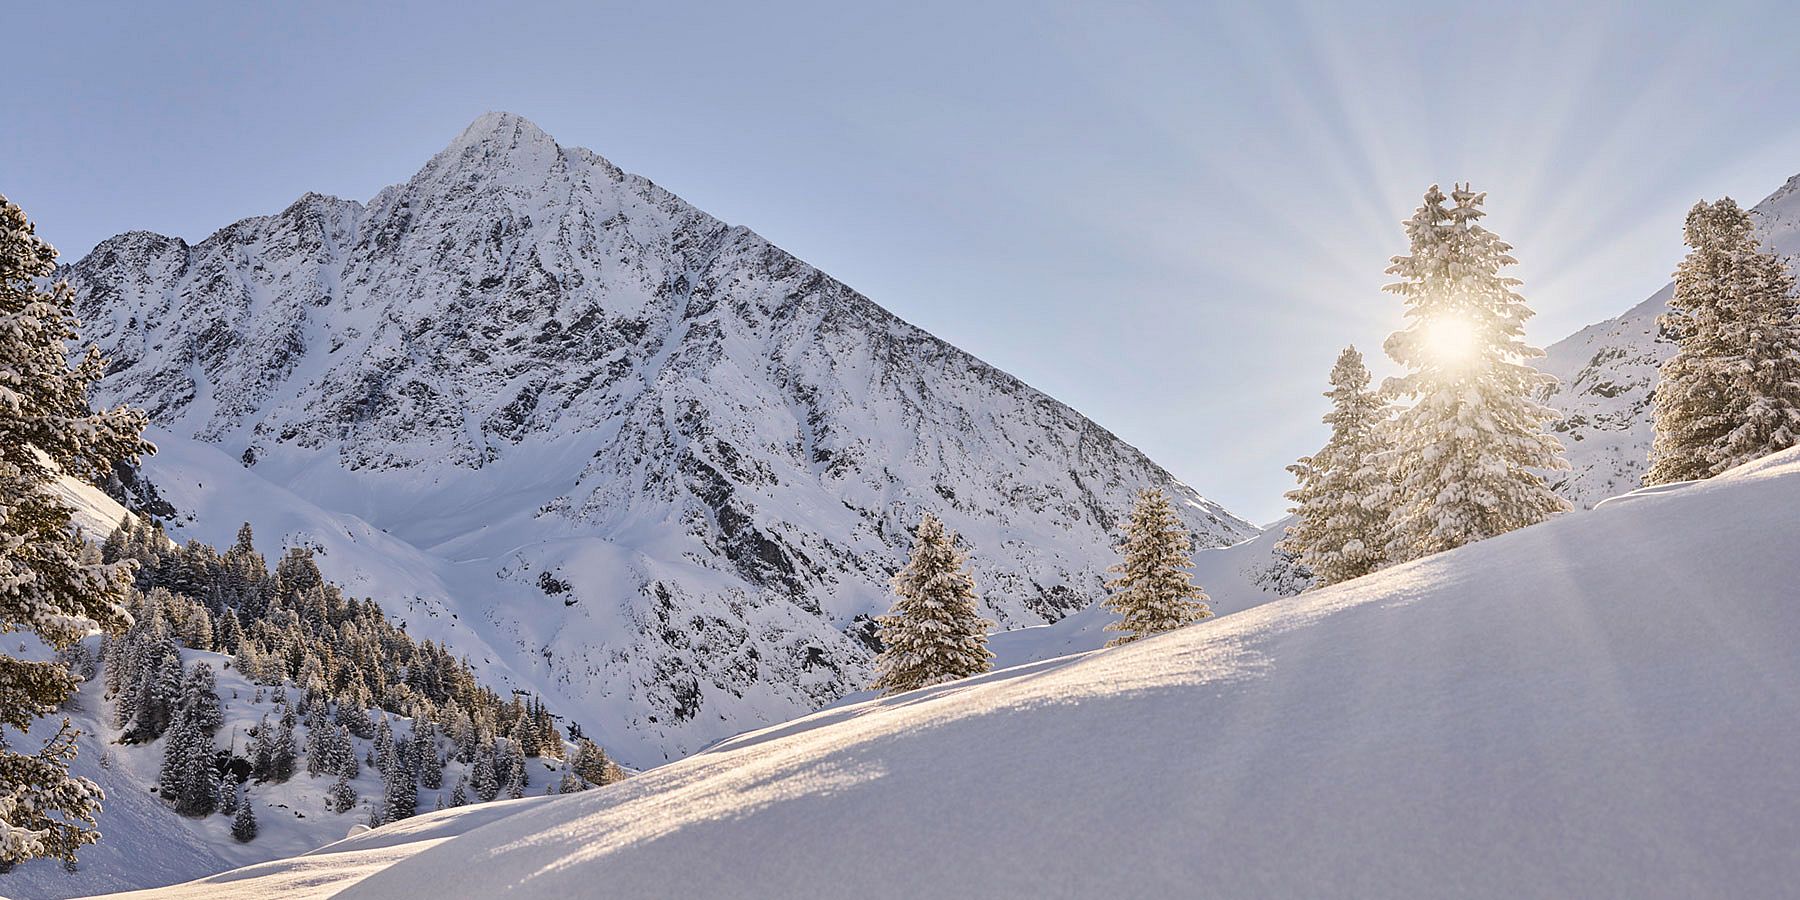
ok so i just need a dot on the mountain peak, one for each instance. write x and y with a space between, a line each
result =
499 140
499 126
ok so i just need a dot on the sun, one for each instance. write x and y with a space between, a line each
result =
1451 340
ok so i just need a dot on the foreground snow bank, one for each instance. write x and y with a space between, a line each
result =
1602 705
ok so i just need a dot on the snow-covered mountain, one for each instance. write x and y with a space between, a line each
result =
1599 705
636 459
1608 374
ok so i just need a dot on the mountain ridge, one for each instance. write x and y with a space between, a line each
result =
635 446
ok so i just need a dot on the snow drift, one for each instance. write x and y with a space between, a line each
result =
1601 705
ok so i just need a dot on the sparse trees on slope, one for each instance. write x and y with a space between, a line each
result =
1731 392
1341 506
1466 450
1153 592
51 582
933 633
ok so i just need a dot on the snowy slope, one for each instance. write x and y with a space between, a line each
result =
1601 705
661 466
1608 373
89 508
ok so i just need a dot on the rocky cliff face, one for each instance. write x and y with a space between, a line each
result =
655 466
1608 376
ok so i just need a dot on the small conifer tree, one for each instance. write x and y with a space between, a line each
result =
1153 592
243 823
933 633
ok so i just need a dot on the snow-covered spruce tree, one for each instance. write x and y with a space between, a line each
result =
1731 392
933 633
384 744
1154 592
481 776
516 778
52 582
591 764
177 744
258 750
1341 504
425 756
283 753
243 822
197 786
460 795
200 699
341 797
228 797
400 797
1465 451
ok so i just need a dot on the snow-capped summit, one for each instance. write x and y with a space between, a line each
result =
618 451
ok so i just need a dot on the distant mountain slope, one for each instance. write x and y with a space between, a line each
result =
658 468
1599 705
1608 374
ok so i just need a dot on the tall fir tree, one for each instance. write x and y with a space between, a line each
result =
52 582
1467 451
933 633
1341 505
1731 392
1153 592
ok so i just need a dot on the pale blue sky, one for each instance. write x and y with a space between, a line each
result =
1170 216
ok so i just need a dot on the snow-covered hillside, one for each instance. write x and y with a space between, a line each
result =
1600 705
1608 373
146 843
659 467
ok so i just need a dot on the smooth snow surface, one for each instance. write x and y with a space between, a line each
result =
1602 705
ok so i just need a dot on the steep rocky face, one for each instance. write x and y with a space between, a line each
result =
1608 376
655 466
